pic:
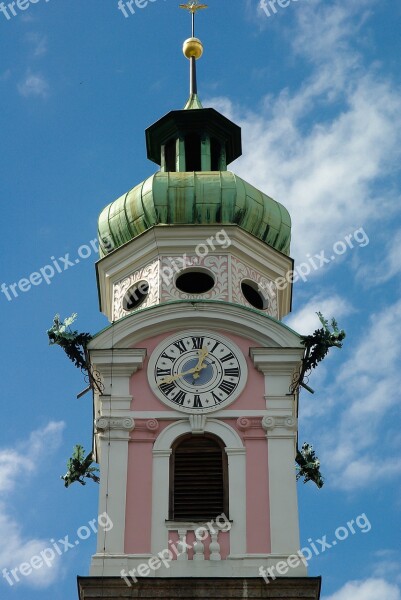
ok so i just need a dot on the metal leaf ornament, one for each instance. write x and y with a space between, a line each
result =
72 342
308 465
79 468
317 347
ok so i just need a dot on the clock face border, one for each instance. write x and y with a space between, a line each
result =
154 382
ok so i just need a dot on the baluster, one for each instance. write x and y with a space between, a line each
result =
181 545
214 547
199 549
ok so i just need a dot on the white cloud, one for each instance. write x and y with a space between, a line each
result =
15 464
34 85
370 589
305 321
361 399
387 266
363 396
326 171
387 564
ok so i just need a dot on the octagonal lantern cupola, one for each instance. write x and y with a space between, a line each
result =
193 139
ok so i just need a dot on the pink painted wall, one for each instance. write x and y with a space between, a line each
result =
139 486
257 496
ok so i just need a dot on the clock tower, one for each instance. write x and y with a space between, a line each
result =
195 417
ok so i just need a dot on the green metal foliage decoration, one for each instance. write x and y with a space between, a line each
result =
308 465
74 345
72 342
80 467
317 347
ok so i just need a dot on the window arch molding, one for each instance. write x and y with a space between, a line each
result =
236 477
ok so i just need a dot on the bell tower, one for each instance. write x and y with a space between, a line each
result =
196 423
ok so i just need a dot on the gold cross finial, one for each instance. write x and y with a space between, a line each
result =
193 6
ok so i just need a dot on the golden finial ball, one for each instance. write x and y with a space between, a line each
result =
192 48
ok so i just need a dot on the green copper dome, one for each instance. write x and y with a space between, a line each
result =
204 198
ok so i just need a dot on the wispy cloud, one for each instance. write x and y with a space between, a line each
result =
370 589
362 401
16 463
34 84
38 43
387 565
305 321
327 170
387 264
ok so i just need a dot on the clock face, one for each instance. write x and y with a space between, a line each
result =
197 371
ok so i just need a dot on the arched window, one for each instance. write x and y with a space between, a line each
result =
198 479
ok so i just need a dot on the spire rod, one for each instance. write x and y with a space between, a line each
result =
193 49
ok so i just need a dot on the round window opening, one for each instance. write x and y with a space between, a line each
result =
136 295
251 292
195 281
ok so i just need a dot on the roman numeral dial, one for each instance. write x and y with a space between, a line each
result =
197 371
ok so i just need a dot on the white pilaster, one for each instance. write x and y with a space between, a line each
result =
114 435
278 366
113 426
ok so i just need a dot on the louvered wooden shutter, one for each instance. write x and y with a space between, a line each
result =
199 480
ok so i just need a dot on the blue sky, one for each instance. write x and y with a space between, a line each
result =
316 90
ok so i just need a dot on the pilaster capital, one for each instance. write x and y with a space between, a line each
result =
280 426
115 424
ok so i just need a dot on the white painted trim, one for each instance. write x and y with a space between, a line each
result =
228 435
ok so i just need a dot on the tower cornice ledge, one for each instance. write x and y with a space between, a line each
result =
118 361
277 360
216 315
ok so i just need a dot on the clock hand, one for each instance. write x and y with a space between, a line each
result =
203 353
171 378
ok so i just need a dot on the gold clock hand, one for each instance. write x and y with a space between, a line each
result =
171 378
203 353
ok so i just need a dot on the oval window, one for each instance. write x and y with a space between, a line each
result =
253 295
136 295
195 281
